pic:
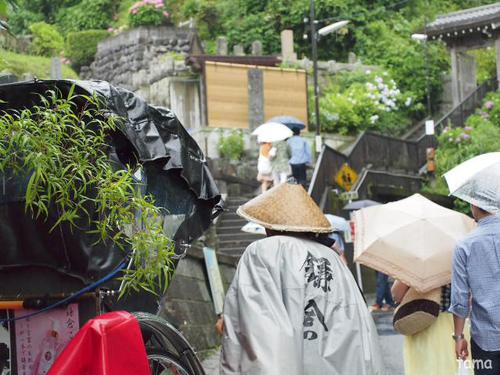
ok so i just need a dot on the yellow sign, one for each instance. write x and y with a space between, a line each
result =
346 177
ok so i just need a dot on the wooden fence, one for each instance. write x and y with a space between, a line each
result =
227 88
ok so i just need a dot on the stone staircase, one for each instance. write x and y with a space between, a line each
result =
231 239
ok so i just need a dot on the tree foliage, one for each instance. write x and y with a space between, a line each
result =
46 40
86 15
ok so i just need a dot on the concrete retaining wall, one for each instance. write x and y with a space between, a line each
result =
188 304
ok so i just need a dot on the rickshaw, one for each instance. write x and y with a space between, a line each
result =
46 270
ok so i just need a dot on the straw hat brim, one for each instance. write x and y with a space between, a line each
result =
284 228
286 208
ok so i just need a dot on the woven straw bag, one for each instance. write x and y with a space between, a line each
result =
417 311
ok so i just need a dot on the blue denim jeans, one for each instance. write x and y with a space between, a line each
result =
383 290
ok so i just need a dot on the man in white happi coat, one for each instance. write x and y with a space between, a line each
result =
293 307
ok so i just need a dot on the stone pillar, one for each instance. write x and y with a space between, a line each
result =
351 58
222 46
238 50
56 68
497 47
255 98
455 77
257 48
332 66
287 53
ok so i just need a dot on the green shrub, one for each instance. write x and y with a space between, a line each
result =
81 46
87 15
46 40
357 101
148 13
387 43
456 145
232 146
38 66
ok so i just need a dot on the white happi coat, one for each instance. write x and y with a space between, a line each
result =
294 308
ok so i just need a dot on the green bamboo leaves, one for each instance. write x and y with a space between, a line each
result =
64 150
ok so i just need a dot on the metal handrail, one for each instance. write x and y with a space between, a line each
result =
475 97
319 182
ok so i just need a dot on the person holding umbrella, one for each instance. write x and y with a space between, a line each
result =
299 149
267 134
300 158
476 263
412 240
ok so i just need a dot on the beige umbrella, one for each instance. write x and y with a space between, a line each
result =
411 240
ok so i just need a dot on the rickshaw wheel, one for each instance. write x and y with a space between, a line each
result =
162 363
160 337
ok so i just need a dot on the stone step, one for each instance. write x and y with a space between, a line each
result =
239 236
228 229
228 244
229 215
236 202
233 221
232 251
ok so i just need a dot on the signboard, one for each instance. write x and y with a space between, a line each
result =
41 338
214 279
349 196
346 177
429 127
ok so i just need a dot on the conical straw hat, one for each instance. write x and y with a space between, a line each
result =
286 207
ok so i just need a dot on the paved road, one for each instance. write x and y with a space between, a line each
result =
391 345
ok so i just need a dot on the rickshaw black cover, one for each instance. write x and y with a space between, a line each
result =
175 172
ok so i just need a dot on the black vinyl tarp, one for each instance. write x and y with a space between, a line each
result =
174 172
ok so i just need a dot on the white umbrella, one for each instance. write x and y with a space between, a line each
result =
411 240
272 132
477 181
253 228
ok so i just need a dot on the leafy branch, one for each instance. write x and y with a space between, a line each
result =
64 149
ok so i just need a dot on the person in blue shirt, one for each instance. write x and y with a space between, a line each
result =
475 291
300 152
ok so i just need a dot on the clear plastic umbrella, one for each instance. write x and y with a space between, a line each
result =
272 132
477 181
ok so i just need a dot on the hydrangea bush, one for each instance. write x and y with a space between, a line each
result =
148 13
456 145
364 101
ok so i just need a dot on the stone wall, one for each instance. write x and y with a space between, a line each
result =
150 62
188 303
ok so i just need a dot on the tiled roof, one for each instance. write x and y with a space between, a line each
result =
485 14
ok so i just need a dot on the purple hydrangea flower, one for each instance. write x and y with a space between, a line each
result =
489 104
